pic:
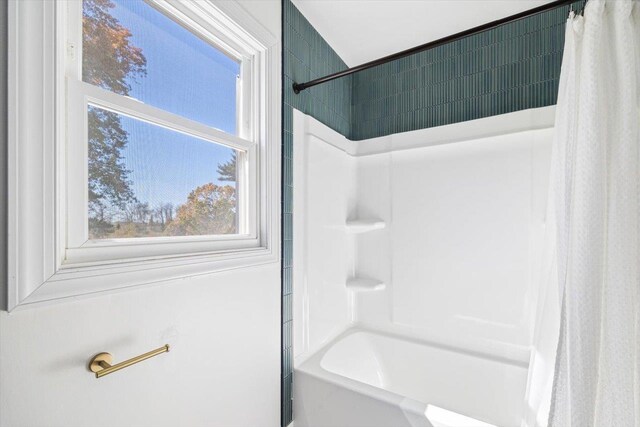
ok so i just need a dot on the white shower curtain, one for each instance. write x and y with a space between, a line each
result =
596 187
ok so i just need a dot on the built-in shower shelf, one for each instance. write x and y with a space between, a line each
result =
364 225
364 284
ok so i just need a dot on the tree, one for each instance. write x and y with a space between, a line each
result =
99 224
210 209
227 170
164 213
138 212
109 61
108 178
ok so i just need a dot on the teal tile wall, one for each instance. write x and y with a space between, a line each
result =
305 56
512 67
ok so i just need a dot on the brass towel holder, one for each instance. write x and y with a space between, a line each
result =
101 363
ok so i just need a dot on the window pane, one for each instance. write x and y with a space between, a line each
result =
132 49
147 181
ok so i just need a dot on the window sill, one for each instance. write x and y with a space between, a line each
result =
78 280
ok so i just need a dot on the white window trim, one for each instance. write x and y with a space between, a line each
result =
42 267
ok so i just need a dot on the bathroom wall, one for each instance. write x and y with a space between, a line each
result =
460 255
324 253
305 56
224 365
509 68
308 56
466 222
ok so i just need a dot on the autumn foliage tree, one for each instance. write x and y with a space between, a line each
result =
210 209
109 61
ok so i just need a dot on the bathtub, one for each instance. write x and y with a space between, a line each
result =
370 379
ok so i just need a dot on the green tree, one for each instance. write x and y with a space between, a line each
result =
227 170
209 209
110 61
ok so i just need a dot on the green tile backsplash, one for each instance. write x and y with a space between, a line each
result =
509 68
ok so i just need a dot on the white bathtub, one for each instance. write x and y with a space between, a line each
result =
368 379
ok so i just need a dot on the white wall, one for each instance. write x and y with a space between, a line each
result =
324 198
464 206
465 234
223 368
466 221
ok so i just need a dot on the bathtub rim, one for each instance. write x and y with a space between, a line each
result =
521 359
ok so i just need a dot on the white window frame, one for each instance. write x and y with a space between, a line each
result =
50 256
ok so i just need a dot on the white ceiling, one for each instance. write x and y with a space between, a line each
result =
364 30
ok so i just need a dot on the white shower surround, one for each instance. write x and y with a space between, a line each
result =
465 279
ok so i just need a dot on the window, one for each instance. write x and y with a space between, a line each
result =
161 183
168 141
132 49
157 159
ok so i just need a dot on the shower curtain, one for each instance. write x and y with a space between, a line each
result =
596 220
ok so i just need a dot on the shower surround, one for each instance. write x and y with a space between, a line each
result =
416 263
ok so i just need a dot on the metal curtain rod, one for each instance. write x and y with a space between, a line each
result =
298 87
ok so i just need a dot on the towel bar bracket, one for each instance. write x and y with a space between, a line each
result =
101 361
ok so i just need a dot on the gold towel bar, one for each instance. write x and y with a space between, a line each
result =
101 363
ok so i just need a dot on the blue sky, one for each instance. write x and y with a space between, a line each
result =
185 76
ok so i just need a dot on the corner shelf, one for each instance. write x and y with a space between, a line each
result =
364 284
356 226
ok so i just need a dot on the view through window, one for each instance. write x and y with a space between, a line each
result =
146 180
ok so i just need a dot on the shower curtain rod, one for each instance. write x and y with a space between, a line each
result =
298 87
